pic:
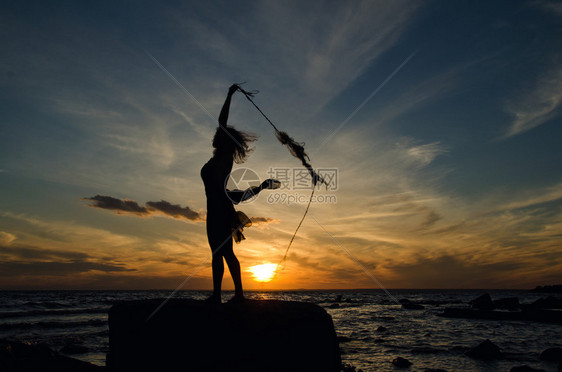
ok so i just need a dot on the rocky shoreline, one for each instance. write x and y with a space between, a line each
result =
25 357
548 310
180 330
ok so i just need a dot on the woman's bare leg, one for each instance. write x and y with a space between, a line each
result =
234 267
218 272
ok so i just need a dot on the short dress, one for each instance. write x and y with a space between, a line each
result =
222 218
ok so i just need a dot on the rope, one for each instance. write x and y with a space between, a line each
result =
297 150
298 227
249 95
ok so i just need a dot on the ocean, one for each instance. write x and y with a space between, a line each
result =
75 324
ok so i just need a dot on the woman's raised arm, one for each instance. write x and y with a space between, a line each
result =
223 117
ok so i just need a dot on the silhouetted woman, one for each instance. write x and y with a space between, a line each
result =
223 221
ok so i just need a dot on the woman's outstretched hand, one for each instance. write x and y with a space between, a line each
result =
270 184
233 88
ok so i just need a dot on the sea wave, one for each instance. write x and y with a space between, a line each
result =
53 324
28 313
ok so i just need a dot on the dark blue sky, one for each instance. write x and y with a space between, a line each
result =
442 118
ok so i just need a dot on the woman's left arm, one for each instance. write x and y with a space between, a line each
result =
238 196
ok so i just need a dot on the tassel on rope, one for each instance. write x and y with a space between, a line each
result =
295 148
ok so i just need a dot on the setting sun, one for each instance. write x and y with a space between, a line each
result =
264 272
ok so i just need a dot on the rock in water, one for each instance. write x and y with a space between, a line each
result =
548 288
74 349
409 305
483 302
510 303
193 335
401 362
525 368
547 303
554 354
487 350
21 357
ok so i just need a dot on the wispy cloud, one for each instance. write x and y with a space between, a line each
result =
331 61
425 154
22 252
6 238
306 61
66 233
15 269
550 6
537 106
449 271
532 198
29 261
261 221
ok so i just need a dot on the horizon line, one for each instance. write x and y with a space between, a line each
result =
280 290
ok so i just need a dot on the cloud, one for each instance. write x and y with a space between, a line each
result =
448 271
152 143
15 268
537 106
6 238
423 155
534 198
69 233
118 205
431 218
127 206
162 207
30 253
263 220
22 260
174 210
305 60
550 7
104 281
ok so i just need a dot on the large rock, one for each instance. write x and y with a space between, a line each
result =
525 368
509 303
483 302
554 354
547 303
21 357
197 336
549 288
528 313
487 350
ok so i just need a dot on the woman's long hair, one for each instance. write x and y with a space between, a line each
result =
233 142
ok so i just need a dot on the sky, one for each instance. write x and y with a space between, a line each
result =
438 122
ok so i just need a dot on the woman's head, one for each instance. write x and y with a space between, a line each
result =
233 142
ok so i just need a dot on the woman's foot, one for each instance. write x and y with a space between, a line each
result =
236 299
214 299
